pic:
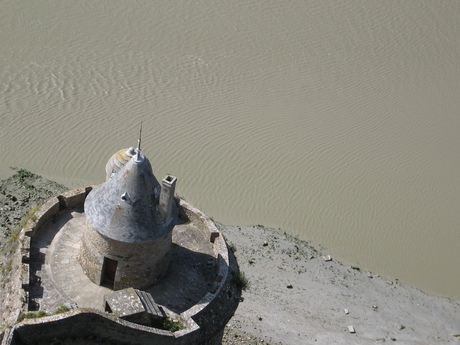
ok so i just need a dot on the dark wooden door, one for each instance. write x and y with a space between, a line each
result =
110 269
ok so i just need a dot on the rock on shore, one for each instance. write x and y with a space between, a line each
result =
296 295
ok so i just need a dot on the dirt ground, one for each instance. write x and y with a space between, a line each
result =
297 297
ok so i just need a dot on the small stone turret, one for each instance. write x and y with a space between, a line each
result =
127 239
130 218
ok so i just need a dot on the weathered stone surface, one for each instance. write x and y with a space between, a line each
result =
126 208
92 324
72 198
204 320
134 306
139 265
45 212
124 240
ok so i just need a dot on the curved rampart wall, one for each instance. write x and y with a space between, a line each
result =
204 322
104 328
217 307
16 300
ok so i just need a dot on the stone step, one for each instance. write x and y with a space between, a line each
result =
149 304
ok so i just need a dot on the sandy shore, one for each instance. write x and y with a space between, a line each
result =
295 296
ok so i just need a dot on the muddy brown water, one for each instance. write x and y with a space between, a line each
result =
337 121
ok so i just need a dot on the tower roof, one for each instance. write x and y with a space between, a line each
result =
117 160
125 207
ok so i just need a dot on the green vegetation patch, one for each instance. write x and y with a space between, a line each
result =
172 325
61 309
31 315
240 281
41 313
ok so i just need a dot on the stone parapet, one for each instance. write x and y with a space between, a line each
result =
74 198
16 302
217 307
204 322
197 217
104 328
14 297
48 210
54 206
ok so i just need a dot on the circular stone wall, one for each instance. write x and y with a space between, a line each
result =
119 264
204 322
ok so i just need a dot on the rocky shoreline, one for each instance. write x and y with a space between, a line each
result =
19 194
296 295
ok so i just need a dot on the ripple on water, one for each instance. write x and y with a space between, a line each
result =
336 122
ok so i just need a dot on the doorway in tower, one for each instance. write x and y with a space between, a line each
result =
109 269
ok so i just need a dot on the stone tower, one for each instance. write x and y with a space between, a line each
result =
130 218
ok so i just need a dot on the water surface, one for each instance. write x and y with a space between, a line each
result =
337 121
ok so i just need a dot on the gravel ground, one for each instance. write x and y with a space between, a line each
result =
234 336
298 295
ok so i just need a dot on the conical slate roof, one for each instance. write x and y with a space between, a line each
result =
126 207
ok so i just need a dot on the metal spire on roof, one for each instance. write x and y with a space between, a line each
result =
138 158
139 140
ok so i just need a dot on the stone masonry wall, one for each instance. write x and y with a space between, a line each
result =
217 307
147 257
16 299
204 322
104 328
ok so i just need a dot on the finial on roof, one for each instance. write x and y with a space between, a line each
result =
138 158
139 140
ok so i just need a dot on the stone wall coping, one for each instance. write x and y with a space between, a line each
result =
144 334
203 222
